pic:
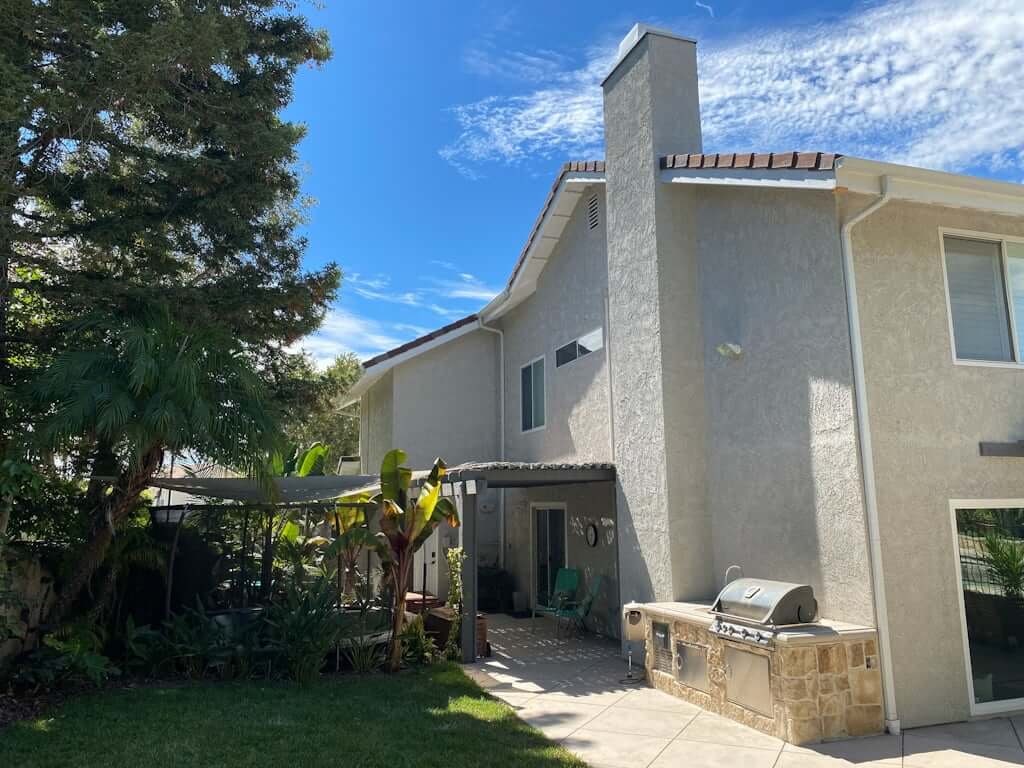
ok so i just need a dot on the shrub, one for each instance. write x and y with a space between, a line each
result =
70 658
303 626
417 649
1004 559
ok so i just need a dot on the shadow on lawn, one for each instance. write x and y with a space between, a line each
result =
436 717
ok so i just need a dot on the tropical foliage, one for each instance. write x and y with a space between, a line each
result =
405 524
151 280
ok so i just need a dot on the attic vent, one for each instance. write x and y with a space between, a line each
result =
593 218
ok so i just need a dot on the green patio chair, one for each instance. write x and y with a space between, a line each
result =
574 614
567 581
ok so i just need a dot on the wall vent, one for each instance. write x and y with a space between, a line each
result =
593 212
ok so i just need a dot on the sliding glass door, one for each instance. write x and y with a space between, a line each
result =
549 549
990 547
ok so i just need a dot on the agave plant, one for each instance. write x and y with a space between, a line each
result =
404 527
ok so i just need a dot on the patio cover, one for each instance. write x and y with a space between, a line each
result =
290 489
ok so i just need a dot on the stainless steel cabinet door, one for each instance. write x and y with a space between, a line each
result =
692 665
747 680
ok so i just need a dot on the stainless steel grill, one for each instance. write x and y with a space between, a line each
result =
752 610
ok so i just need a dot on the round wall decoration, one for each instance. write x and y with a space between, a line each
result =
592 535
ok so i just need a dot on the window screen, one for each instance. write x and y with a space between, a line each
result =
981 327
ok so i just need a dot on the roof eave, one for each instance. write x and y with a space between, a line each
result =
922 185
555 216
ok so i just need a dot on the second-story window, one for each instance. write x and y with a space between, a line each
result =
580 347
985 279
532 384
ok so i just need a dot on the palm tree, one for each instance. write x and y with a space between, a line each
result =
149 383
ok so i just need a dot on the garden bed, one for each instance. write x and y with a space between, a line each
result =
435 717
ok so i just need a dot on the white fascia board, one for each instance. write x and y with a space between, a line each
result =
921 185
782 178
556 217
374 373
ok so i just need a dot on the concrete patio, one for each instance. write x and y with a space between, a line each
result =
572 691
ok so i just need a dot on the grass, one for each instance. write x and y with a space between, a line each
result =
436 717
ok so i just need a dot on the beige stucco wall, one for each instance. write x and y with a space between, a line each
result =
446 402
443 403
651 109
927 418
376 423
584 504
784 491
569 301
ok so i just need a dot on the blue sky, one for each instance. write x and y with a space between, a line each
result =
437 128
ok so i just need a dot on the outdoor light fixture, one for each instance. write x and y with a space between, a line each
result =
168 515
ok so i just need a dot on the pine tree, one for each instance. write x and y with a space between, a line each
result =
146 171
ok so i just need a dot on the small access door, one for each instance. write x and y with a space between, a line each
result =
549 549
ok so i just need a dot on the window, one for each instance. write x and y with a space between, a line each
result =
576 349
532 379
985 279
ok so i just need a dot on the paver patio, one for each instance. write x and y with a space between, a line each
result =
572 691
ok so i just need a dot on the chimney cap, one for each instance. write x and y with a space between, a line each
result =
635 35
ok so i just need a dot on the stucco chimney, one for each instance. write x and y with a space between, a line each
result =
651 109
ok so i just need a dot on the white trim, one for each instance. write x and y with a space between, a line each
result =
875 565
543 426
988 707
987 237
560 207
779 178
534 506
930 187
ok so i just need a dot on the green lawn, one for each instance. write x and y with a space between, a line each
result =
437 717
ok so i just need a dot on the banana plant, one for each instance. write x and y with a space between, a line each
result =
404 527
353 537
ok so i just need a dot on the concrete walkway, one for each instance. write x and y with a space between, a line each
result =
573 692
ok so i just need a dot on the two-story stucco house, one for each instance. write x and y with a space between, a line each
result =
805 364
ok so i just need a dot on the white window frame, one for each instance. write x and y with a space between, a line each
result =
534 506
988 237
527 364
576 340
987 707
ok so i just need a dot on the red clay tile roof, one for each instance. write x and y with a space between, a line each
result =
421 340
799 161
576 166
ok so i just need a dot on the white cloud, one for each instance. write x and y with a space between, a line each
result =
926 82
344 331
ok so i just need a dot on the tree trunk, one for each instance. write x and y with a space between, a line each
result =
267 566
129 486
401 572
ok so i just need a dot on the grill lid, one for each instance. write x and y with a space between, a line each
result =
767 602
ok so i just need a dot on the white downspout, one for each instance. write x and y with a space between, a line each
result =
892 720
501 440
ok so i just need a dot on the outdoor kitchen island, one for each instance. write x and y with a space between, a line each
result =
803 683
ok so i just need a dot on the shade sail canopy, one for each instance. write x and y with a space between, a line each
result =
290 489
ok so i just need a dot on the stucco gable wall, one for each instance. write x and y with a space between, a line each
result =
376 423
783 486
927 418
446 402
569 301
